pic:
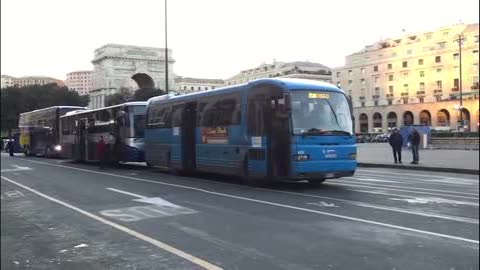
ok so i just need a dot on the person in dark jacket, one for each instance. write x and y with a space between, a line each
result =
11 147
396 142
101 149
415 143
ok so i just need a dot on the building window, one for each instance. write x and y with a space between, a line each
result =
420 61
428 36
390 89
442 45
377 89
445 34
375 79
422 73
375 103
438 98
350 73
475 53
455 56
375 68
362 70
456 83
404 64
390 102
439 70
362 81
438 59
409 52
476 39
363 104
439 84
421 100
390 78
405 75
422 86
350 82
389 66
405 101
394 54
338 74
405 87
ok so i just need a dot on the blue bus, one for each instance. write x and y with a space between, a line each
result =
268 129
122 127
40 130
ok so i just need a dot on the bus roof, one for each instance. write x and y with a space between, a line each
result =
133 103
55 107
290 84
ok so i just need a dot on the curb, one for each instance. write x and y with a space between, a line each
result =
419 168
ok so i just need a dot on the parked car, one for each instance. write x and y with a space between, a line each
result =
361 138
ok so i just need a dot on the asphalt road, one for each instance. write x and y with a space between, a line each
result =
61 215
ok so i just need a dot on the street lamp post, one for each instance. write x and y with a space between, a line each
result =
166 51
460 38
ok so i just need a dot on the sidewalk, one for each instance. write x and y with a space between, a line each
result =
457 161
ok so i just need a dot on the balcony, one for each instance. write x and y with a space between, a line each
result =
361 98
376 96
437 92
404 94
390 96
455 89
421 93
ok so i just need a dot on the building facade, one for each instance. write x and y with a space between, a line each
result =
301 70
414 79
80 81
29 80
185 85
133 67
7 81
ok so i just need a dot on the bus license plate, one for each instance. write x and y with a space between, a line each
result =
333 155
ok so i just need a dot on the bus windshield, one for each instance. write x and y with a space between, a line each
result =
136 121
320 113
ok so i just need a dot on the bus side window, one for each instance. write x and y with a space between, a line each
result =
255 118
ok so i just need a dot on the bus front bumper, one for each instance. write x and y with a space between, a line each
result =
325 169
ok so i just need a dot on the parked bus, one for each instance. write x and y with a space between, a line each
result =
40 130
122 127
268 129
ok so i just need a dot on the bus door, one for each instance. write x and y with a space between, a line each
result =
188 127
81 139
268 127
278 137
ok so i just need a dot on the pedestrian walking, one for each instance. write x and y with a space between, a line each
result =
11 147
101 149
415 143
396 142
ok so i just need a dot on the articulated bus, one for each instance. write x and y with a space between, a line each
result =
122 127
40 130
268 129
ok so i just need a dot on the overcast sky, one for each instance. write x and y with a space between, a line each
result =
210 38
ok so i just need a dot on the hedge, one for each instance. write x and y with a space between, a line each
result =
443 134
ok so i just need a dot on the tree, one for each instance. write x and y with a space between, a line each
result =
16 100
122 96
143 94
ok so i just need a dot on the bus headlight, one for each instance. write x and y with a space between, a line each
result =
301 157
352 156
58 148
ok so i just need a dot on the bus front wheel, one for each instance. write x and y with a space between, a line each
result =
316 182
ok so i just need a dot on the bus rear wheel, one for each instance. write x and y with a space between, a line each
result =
316 182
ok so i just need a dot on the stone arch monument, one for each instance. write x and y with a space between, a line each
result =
132 67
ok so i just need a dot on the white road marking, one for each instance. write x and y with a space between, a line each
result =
438 180
17 169
127 193
137 213
341 183
370 179
422 200
323 204
381 192
131 232
392 226
381 207
407 187
403 174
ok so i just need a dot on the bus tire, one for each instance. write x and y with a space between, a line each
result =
316 182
